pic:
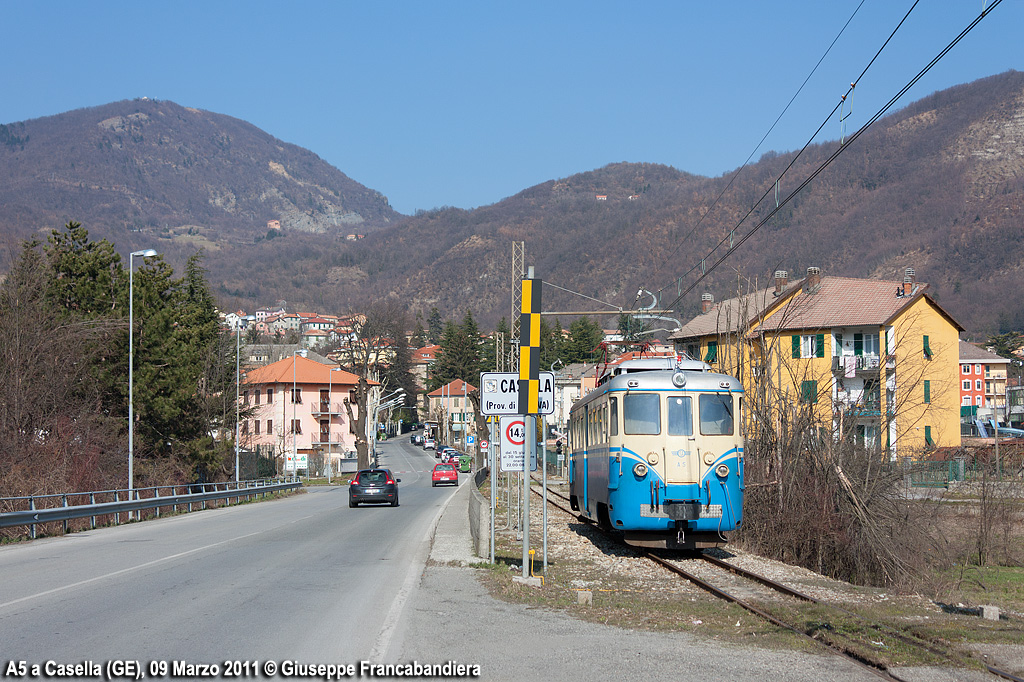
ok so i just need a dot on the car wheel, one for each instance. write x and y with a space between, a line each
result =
394 503
433 484
352 503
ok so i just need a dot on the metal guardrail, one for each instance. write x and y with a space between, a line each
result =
209 492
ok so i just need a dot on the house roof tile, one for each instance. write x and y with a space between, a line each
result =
306 371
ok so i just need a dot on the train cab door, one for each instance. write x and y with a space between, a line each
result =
682 464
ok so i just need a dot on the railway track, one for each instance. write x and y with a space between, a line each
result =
842 631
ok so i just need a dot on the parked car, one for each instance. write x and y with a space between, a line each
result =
444 473
373 485
417 439
428 444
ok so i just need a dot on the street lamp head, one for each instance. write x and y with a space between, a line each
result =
145 253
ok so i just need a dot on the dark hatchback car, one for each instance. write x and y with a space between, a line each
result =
373 485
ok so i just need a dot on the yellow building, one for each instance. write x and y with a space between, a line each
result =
874 359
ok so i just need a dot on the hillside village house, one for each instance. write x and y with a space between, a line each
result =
421 361
452 409
299 408
874 358
982 384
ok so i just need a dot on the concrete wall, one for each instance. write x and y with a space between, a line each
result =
480 516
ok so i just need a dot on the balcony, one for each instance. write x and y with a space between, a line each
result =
325 408
862 363
322 439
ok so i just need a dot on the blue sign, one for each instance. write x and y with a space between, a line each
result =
470 440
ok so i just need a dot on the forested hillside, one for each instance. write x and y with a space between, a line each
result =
937 186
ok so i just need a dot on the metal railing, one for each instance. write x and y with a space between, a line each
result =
39 509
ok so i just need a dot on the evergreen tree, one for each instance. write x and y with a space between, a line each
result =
582 345
435 326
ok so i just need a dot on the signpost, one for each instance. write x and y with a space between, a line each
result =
499 393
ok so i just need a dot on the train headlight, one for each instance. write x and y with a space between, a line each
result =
722 470
678 379
652 457
640 470
709 458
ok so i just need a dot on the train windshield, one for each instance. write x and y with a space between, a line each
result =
680 416
716 414
641 414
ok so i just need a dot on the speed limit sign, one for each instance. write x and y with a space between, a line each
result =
513 443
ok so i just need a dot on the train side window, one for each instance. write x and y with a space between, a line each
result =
613 416
680 416
716 417
641 414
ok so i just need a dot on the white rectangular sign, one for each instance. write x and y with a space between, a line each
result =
512 444
499 393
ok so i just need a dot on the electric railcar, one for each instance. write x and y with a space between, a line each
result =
656 451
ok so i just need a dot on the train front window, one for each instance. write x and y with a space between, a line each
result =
716 414
680 416
613 418
641 414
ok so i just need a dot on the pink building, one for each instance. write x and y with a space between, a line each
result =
299 413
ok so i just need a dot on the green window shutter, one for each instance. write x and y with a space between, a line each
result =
885 342
858 344
809 392
712 354
927 348
928 436
820 339
796 345
927 390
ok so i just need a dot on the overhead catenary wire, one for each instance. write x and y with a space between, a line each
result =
746 162
835 154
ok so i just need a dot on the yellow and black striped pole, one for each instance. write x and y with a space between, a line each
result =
529 388
529 347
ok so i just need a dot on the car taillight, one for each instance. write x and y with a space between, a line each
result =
390 482
354 481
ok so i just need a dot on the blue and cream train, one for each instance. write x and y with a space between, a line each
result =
656 451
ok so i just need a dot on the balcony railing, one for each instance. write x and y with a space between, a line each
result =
862 363
324 439
317 408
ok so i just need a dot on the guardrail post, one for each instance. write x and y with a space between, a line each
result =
117 515
92 519
156 493
32 506
65 499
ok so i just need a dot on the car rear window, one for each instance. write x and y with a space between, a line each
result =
373 478
445 467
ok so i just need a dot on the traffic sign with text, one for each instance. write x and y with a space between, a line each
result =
499 393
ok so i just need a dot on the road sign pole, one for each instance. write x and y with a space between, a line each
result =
531 449
544 483
494 480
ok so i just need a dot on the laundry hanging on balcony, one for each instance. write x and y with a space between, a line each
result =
849 366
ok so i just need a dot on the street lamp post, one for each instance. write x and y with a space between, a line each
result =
394 397
145 253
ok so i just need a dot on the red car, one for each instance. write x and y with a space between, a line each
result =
444 473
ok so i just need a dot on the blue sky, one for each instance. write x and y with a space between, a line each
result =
465 103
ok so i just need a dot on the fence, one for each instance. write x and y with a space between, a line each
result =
109 505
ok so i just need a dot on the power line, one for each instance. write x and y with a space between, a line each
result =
736 174
881 112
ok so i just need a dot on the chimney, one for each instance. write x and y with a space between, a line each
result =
707 301
909 281
781 280
813 282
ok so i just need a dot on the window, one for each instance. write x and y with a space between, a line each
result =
927 390
988 387
716 414
256 395
245 427
927 348
296 426
613 418
965 369
680 416
256 424
641 414
977 369
297 396
270 426
977 384
712 355
809 346
979 401
809 391
270 396
870 344
965 401
965 384
693 350
245 397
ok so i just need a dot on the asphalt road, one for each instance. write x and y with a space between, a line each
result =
304 578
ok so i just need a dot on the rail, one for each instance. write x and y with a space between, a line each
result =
39 510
